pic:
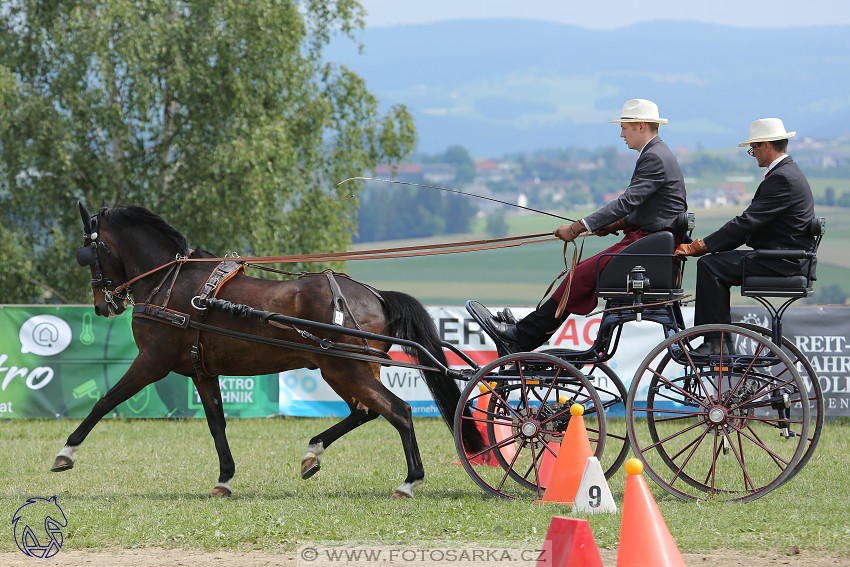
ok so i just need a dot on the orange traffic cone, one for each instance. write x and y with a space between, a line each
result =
569 543
502 431
644 537
572 459
479 411
547 461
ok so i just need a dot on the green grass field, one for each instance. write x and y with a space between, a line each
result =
143 483
520 275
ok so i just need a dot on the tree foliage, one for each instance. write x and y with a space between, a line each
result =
398 212
221 116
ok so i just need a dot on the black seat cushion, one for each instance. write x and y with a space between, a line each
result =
767 286
767 282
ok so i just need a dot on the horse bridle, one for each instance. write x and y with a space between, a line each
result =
87 256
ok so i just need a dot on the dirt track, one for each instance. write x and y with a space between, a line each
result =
389 557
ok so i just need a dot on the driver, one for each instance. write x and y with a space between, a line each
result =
652 202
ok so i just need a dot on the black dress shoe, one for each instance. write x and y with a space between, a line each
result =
504 333
712 346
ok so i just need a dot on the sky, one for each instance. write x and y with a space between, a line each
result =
613 14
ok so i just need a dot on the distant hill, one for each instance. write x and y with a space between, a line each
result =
498 86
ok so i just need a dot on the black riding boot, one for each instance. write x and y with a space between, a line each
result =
529 333
535 328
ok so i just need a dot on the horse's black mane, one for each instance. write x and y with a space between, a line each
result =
132 215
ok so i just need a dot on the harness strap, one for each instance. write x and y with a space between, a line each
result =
402 252
221 274
356 352
174 267
332 351
576 259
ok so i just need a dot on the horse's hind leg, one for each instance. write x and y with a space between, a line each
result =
364 386
310 462
209 391
137 377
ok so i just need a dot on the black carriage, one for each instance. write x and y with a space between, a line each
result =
731 425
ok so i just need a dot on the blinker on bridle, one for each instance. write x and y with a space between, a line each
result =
87 256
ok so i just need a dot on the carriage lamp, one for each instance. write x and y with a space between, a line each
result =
637 283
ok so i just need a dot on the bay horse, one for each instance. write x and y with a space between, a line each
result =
130 243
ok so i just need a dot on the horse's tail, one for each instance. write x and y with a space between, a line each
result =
409 320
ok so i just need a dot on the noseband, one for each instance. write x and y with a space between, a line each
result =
87 256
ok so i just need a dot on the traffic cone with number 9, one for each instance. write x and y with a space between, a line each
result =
572 458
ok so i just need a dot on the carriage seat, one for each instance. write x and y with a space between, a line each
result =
662 268
799 285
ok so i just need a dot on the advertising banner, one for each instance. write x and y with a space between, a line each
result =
820 333
57 361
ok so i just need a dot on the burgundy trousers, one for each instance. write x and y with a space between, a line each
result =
582 298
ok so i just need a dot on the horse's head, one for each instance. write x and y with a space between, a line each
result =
100 253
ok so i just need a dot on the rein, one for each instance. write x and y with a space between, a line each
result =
569 267
401 252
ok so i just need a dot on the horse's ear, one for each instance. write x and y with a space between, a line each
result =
86 216
104 205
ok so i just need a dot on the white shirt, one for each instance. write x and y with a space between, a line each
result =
774 163
646 144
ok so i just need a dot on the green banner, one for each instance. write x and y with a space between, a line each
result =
57 361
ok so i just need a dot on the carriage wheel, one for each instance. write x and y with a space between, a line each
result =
813 393
521 404
715 426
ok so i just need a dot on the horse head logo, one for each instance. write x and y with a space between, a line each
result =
38 527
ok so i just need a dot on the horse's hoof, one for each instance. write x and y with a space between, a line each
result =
62 463
398 495
309 467
221 491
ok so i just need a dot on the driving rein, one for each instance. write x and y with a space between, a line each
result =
87 255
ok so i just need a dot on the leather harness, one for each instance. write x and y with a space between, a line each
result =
228 269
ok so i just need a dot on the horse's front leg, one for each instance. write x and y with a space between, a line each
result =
137 377
209 391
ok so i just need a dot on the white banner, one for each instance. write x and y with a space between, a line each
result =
305 393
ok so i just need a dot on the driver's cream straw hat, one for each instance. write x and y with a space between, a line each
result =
767 130
640 110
